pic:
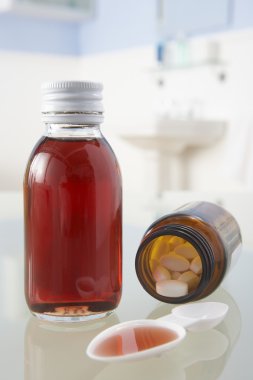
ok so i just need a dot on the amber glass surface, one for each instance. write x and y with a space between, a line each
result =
72 198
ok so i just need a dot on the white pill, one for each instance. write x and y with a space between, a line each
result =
175 262
172 288
190 278
186 250
161 273
196 265
176 240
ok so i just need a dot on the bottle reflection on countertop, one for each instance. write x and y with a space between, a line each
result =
58 351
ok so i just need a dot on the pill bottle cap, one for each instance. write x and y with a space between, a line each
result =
72 101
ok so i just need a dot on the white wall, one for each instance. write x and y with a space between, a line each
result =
20 79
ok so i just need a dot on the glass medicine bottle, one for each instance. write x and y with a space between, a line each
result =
73 210
185 255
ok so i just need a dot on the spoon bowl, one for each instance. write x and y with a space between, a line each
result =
138 339
200 316
120 341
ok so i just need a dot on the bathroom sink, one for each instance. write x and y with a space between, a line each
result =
176 135
170 140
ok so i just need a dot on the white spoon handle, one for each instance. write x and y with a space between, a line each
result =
184 321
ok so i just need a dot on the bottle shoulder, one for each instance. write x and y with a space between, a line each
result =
80 158
69 147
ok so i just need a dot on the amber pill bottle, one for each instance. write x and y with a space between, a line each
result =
185 255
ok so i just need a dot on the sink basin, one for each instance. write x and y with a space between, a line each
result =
176 135
170 141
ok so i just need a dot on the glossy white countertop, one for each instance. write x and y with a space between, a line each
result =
35 350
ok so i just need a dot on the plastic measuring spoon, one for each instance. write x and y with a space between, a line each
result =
140 339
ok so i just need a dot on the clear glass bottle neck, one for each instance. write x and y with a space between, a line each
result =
82 131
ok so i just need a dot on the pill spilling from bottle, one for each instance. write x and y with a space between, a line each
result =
175 265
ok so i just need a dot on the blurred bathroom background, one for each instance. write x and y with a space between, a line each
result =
178 94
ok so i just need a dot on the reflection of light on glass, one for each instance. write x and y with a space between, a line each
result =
39 166
87 286
58 351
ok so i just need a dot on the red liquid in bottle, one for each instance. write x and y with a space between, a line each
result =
72 194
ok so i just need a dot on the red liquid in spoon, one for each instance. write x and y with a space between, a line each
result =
134 339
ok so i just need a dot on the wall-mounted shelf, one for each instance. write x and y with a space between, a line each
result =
187 66
66 10
189 53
